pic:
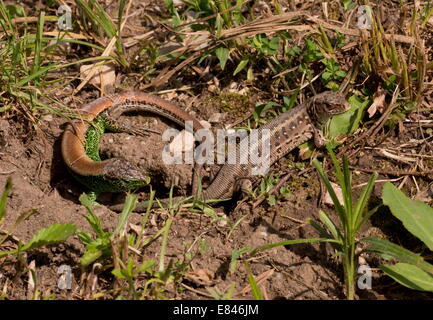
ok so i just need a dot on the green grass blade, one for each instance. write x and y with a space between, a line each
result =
38 43
323 232
53 67
362 201
336 235
130 204
235 257
337 167
4 197
5 17
98 16
252 251
255 290
347 191
164 243
340 210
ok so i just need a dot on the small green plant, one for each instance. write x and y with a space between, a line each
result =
343 237
312 51
266 184
111 249
99 245
351 217
264 45
130 272
332 71
53 234
413 271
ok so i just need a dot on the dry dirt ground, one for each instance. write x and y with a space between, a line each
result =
41 182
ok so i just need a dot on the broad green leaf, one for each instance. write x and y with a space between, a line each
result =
50 235
390 249
348 122
410 276
416 216
222 55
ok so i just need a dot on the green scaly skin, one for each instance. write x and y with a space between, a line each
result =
99 184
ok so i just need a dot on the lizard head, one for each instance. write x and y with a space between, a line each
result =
126 172
325 105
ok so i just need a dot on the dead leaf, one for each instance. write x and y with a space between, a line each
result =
378 103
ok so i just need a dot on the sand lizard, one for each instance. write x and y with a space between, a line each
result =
287 131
